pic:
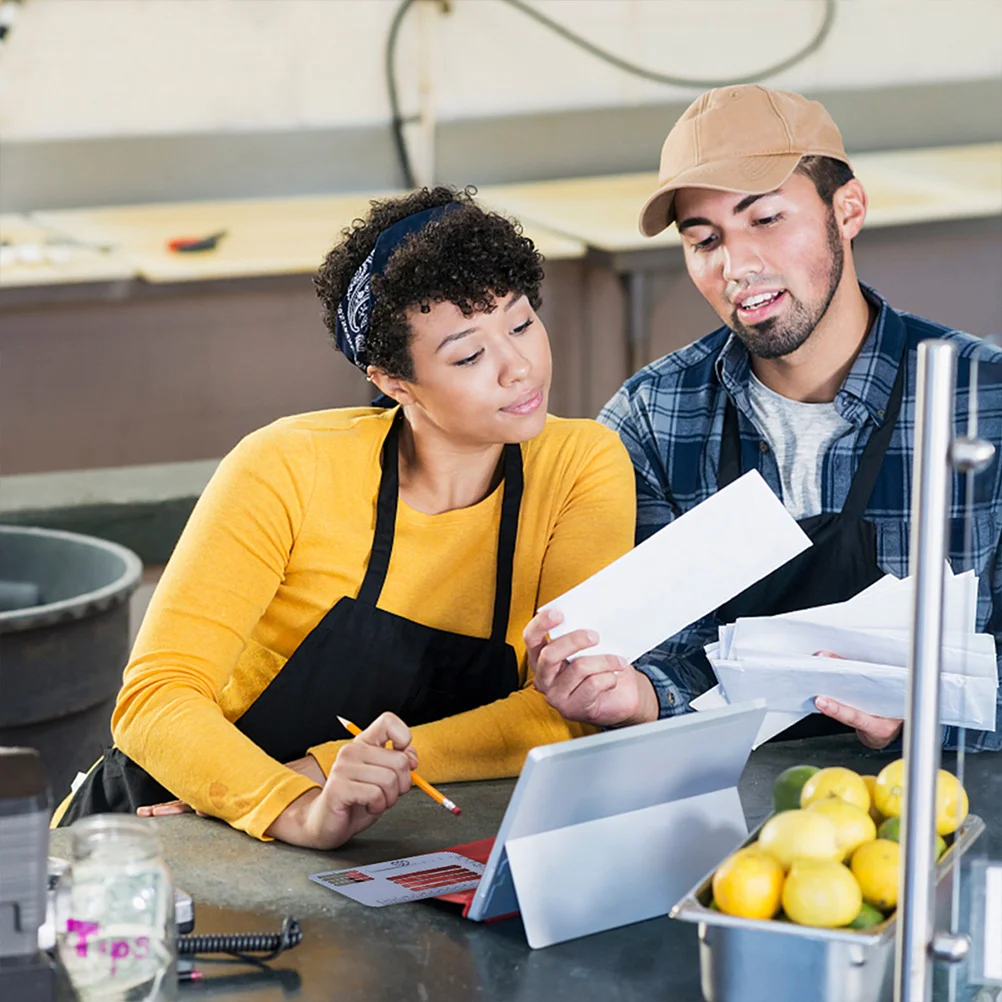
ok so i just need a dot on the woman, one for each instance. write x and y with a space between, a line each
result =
374 563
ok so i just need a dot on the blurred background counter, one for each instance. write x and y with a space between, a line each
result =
131 353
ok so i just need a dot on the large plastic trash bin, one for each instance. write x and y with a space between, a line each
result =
61 658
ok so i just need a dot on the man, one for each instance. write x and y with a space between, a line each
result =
811 381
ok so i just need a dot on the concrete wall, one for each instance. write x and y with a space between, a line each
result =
113 101
89 68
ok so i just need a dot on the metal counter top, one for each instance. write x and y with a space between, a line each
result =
426 951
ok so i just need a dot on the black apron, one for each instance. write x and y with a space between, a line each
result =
356 663
842 561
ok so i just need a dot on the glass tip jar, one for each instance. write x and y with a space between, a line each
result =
115 926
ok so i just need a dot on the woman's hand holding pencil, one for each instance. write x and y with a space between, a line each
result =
421 784
368 776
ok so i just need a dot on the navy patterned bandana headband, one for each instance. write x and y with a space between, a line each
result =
354 311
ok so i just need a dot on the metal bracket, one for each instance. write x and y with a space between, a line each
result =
951 947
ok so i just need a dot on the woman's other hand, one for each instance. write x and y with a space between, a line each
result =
602 689
367 778
166 808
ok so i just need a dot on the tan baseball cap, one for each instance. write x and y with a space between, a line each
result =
745 138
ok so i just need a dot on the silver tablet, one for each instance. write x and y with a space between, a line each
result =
666 790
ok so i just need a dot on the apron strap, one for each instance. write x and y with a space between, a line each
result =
865 480
386 518
872 459
729 468
507 534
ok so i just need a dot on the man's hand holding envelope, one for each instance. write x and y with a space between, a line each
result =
874 732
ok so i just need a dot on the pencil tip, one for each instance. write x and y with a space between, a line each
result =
343 722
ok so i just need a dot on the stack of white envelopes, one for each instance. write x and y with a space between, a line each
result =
786 659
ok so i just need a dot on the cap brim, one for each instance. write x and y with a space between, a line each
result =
747 175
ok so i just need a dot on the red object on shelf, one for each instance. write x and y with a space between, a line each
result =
187 245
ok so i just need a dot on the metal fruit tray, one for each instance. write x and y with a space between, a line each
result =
753 960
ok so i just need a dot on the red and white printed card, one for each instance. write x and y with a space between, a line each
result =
410 879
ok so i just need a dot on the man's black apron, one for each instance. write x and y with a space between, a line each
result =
842 561
356 663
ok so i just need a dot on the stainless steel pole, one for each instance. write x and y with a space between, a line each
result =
930 487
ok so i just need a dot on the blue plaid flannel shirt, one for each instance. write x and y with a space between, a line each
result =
670 417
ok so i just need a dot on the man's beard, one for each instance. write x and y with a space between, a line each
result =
778 336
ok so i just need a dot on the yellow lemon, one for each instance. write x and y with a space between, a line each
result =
875 866
748 884
889 789
951 797
794 835
853 826
836 782
951 803
874 813
822 893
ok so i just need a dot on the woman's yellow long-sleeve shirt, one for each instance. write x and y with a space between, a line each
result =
283 531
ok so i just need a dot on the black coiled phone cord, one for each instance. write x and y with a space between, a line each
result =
243 944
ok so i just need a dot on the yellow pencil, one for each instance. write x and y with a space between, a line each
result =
421 784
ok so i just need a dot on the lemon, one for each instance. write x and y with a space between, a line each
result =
891 829
875 866
874 813
853 826
794 835
789 783
951 797
748 884
867 918
836 781
889 789
951 803
821 893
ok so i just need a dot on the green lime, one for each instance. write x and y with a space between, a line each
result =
891 829
868 916
789 783
713 906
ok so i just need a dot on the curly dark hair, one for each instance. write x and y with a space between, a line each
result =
468 257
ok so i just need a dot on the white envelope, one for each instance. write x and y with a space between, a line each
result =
773 657
790 683
778 638
888 603
684 571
